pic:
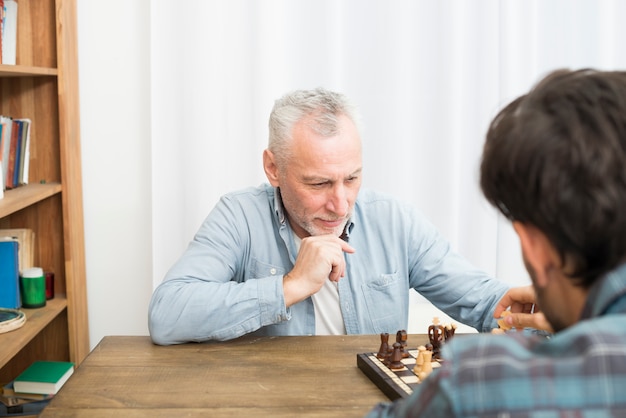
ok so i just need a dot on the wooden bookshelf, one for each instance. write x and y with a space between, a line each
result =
43 87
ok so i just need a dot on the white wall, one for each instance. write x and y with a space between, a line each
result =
115 39
114 82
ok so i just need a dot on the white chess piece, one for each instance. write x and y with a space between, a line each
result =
427 366
419 361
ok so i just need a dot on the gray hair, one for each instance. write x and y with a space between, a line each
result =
323 105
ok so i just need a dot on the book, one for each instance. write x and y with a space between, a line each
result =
9 32
2 129
1 27
21 404
14 151
23 408
25 155
9 274
43 377
6 144
26 239
17 125
12 154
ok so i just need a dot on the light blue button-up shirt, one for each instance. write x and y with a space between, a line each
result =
229 280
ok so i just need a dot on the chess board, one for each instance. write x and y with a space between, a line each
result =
393 383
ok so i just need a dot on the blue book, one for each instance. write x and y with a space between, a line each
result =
9 274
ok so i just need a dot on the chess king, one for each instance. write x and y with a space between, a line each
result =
436 337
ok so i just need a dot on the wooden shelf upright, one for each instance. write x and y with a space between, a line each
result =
43 87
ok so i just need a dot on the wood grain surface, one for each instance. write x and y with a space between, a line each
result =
249 376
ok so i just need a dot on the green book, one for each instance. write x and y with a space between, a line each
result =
43 377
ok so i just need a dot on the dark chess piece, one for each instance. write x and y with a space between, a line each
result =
384 345
387 359
448 331
401 338
396 357
436 336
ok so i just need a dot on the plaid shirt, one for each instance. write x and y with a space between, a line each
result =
578 372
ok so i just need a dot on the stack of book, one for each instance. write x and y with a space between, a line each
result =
26 245
17 249
32 390
14 151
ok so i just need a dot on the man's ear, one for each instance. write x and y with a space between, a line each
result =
537 249
270 167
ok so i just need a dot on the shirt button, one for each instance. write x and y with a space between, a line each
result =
273 271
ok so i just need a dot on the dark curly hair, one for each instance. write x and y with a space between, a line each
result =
555 158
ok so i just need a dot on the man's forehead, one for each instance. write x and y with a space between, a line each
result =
326 175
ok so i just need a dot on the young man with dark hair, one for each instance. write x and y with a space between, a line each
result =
554 163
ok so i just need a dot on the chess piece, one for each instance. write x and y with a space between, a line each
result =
401 338
387 359
427 366
436 336
448 331
419 360
384 345
396 357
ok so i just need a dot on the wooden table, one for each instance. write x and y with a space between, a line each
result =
249 376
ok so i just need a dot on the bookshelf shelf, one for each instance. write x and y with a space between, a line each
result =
25 196
36 320
24 70
43 87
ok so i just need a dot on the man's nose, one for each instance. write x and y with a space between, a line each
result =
338 200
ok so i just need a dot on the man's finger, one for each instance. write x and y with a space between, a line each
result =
526 320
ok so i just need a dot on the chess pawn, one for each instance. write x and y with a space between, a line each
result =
401 338
384 345
419 361
396 357
427 367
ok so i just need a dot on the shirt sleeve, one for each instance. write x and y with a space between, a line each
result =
448 280
205 296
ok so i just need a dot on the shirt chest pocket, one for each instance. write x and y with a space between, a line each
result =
259 269
386 301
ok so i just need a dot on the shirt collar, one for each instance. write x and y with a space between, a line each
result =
605 293
278 206
279 209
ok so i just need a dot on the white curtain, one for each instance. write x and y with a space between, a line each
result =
428 76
